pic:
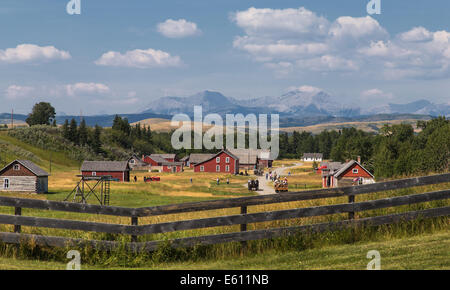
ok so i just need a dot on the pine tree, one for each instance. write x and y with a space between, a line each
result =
65 130
82 133
96 142
73 132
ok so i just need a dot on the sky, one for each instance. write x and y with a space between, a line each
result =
117 56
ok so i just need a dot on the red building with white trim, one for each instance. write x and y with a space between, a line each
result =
222 162
116 169
172 167
350 173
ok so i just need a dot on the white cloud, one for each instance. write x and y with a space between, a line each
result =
139 58
359 28
416 34
328 63
178 28
278 37
306 89
87 89
281 22
376 93
14 92
25 53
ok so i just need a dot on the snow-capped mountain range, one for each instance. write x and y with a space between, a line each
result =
304 101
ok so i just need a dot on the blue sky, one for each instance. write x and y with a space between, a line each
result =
118 56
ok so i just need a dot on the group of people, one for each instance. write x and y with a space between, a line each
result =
271 176
279 180
218 181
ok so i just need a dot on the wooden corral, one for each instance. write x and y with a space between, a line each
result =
135 230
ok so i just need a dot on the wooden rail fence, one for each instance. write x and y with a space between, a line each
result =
242 219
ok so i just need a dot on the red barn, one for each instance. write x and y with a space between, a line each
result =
117 169
172 167
195 158
351 173
168 157
154 160
223 162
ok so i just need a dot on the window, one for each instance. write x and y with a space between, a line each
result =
132 161
6 183
227 160
202 168
16 167
227 168
218 160
218 168
355 170
94 173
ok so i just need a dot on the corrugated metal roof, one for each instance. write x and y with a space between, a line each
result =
164 156
33 168
157 158
104 166
36 170
199 157
250 156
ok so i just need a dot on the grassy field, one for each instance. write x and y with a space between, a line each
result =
164 125
368 126
177 188
427 251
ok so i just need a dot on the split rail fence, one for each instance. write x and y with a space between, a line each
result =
243 219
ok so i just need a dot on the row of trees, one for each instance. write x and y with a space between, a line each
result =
83 135
396 150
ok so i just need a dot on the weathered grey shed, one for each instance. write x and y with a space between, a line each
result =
25 176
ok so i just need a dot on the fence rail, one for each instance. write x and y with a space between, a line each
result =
243 219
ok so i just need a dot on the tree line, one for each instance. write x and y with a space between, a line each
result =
395 151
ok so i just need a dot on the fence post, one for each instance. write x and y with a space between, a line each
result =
351 214
134 222
17 211
244 226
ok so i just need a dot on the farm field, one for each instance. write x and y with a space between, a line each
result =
367 126
177 188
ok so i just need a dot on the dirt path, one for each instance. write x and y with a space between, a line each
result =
264 185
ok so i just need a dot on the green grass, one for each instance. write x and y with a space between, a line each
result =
282 253
60 161
428 251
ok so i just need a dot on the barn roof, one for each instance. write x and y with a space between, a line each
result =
168 163
104 166
348 165
164 156
157 158
185 158
199 157
250 156
36 170
313 155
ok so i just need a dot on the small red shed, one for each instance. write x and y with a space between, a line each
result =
172 167
116 169
350 173
222 162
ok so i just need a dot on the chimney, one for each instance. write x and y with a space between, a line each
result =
359 159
